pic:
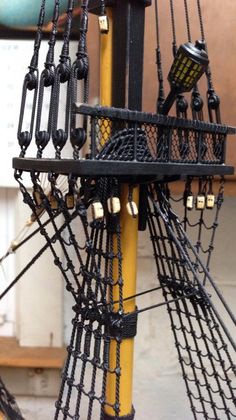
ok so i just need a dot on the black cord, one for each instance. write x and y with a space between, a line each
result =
161 93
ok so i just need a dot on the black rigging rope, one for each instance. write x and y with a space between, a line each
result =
30 83
187 20
195 321
63 76
212 98
47 80
182 242
161 93
174 42
80 72
8 405
181 102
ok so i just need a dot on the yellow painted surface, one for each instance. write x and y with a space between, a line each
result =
106 70
129 239
106 64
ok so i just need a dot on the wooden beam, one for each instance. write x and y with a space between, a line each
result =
13 355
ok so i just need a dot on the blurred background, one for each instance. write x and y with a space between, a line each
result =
35 317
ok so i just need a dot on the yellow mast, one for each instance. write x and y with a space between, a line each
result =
129 238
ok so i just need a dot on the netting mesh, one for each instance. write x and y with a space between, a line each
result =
91 263
91 279
117 138
207 366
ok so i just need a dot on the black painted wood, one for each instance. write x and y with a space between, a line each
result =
121 169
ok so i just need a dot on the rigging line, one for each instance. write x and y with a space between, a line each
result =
96 291
188 349
208 71
157 24
67 32
8 406
57 234
80 74
181 102
187 20
31 83
222 361
155 289
176 256
62 76
196 102
52 38
201 190
31 220
215 224
47 80
210 355
231 366
198 259
46 186
67 364
138 311
25 269
62 184
184 373
172 13
162 245
71 375
90 262
155 244
202 288
30 236
161 93
201 20
208 276
34 259
143 293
